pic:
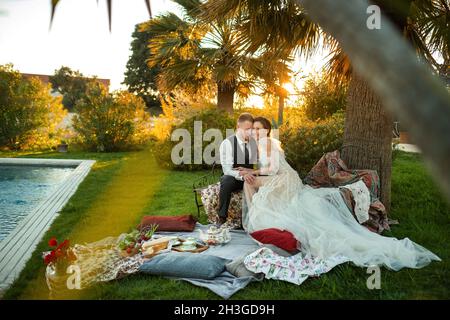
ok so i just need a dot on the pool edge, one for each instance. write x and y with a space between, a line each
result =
17 248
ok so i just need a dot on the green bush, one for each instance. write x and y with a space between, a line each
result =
305 144
29 115
110 122
213 118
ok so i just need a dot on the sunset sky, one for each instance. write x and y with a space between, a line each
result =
79 37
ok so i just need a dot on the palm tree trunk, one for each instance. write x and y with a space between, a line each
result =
368 135
225 97
280 109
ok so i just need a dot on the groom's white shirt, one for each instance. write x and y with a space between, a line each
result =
227 159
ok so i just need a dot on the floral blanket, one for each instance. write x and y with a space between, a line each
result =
331 171
295 269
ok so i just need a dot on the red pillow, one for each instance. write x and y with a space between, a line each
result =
169 223
281 238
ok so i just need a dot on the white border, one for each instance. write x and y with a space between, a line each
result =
17 247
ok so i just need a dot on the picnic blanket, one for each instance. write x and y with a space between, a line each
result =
331 171
100 262
259 259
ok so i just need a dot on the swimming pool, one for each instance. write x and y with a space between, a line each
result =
32 193
22 188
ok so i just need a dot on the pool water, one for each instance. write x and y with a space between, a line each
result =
22 188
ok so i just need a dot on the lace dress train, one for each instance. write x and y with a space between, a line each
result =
322 223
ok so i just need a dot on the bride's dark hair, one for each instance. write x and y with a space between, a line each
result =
265 123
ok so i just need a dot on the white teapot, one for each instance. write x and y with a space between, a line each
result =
215 235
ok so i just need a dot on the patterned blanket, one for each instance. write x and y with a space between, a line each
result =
331 171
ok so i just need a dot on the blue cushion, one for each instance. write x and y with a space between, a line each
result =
185 265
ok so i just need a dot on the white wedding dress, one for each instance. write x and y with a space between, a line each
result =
321 221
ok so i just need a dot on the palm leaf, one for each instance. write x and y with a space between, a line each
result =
109 8
149 8
54 3
190 7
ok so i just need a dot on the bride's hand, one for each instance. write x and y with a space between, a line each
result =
249 178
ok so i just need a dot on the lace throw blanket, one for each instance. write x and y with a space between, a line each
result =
102 261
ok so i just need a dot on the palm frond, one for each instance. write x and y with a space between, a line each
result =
338 68
149 8
109 8
54 3
165 24
191 8
429 27
268 25
185 74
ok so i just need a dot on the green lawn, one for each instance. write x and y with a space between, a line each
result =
124 186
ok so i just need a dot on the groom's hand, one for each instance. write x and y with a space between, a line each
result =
243 171
249 178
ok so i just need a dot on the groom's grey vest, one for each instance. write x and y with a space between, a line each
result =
239 156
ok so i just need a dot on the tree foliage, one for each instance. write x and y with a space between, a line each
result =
321 98
71 84
139 77
29 115
110 122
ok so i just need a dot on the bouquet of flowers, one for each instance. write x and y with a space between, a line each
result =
61 254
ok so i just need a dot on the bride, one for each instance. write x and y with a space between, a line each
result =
318 218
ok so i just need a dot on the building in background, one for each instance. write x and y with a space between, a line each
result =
46 79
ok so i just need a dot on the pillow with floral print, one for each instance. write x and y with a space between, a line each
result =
210 200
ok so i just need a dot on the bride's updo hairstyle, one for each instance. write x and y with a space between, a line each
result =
265 123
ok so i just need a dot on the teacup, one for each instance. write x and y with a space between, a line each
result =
189 243
187 247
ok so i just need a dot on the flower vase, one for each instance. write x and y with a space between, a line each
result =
56 280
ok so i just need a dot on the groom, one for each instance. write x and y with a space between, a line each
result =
238 150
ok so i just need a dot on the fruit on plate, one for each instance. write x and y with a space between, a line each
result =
131 243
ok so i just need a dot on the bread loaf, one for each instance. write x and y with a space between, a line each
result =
159 243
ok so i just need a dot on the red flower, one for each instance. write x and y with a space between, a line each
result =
64 244
50 257
52 242
60 252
